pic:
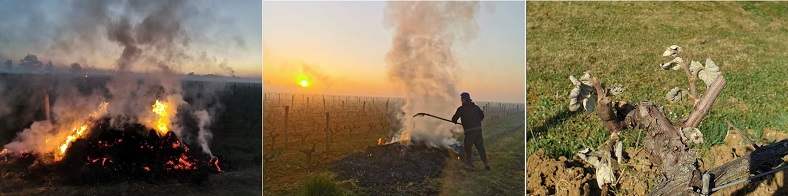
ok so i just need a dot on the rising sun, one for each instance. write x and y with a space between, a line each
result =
304 83
302 80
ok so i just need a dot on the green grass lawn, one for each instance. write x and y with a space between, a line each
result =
622 42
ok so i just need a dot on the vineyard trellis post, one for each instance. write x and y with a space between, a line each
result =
363 107
287 113
328 132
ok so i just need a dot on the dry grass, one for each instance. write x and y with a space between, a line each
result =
286 172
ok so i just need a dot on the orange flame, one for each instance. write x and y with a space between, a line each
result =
405 139
102 108
380 141
78 132
163 120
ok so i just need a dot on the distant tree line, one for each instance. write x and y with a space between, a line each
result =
31 62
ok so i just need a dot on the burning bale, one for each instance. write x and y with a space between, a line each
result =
132 152
118 154
386 165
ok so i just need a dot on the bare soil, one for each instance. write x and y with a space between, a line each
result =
547 176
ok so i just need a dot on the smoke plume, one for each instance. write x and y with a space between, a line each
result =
153 36
204 136
422 63
89 31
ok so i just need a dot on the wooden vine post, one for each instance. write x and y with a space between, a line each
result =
328 133
287 113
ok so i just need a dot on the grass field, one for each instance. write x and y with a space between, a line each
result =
503 140
622 42
289 170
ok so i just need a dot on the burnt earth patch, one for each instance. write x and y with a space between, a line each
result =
383 166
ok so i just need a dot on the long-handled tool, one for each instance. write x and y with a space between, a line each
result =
430 115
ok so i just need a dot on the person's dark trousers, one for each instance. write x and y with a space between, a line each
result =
474 138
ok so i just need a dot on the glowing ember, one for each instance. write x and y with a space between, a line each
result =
176 144
146 168
163 121
216 164
183 163
4 151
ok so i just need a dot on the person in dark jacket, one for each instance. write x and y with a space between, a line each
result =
472 117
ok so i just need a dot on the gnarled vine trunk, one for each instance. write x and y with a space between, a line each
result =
665 142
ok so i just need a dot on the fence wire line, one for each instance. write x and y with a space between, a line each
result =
748 178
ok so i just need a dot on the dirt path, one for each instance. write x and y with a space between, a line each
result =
504 141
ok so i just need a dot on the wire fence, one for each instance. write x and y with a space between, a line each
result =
297 119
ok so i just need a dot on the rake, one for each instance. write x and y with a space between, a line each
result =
430 115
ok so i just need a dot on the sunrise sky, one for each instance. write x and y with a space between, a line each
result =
205 34
340 49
